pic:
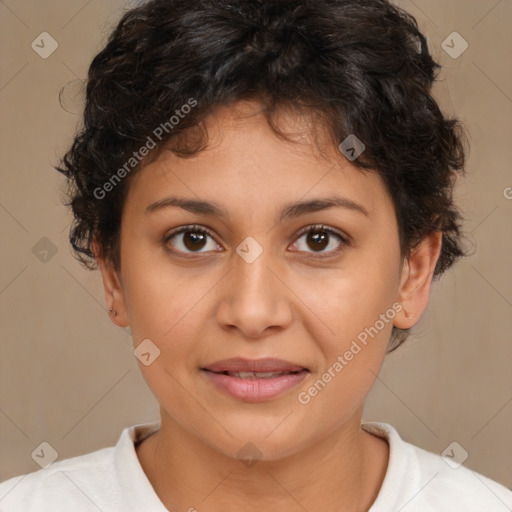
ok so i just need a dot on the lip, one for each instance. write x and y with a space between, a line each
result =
240 364
254 389
257 389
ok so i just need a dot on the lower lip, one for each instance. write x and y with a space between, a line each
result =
255 390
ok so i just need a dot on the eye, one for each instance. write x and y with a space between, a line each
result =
319 238
191 239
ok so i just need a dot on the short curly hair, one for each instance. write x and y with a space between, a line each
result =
356 66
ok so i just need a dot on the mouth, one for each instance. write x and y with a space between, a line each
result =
258 366
254 380
256 375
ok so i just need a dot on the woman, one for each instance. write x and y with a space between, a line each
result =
266 188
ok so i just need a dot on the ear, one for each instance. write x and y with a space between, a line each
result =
112 284
416 280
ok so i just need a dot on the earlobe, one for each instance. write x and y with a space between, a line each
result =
416 280
114 292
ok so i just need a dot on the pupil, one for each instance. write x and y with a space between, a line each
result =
194 240
319 238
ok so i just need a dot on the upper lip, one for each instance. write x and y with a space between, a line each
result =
267 364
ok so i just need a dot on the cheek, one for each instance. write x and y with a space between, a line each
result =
344 302
355 306
161 303
166 309
352 348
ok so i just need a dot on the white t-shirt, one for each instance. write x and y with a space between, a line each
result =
112 480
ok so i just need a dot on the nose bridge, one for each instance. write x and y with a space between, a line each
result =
253 299
252 271
252 275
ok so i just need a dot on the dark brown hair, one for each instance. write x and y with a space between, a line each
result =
361 67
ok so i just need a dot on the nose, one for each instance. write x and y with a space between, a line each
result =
253 298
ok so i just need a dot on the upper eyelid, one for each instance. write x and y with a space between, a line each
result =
189 227
321 227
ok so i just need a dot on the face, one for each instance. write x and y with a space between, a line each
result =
252 276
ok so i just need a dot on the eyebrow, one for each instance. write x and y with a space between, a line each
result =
289 211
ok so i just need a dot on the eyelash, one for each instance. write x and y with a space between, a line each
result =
317 227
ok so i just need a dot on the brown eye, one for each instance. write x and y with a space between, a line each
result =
190 239
194 240
318 238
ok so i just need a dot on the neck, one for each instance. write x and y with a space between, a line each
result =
343 471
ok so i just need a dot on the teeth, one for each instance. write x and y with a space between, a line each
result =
256 375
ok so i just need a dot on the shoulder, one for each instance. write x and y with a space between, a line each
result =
106 479
421 481
78 480
448 483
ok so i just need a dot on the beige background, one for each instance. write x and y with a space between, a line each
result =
68 375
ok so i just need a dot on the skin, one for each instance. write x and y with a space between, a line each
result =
289 303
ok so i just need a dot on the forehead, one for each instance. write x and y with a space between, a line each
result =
245 161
